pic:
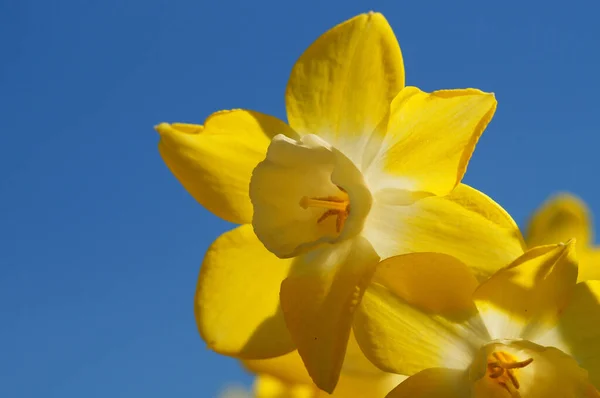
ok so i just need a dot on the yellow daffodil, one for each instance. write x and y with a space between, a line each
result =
561 218
366 168
529 331
286 377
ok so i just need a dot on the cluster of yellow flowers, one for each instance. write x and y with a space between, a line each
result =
362 266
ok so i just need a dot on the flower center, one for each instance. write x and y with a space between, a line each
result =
501 367
338 206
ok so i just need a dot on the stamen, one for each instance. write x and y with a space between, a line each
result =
503 367
328 202
336 206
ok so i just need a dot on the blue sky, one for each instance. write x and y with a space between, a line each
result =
100 245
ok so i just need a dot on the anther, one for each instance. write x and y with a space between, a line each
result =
336 206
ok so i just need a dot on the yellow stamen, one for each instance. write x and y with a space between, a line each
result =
328 202
336 206
502 368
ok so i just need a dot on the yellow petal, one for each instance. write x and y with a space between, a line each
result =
318 301
355 361
579 327
465 224
237 298
430 281
342 86
430 139
559 219
360 378
352 386
589 264
434 383
214 162
288 368
404 326
525 298
302 193
266 386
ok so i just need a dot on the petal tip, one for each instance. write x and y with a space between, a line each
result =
569 243
162 128
568 251
572 240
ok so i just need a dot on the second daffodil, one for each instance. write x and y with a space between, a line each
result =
530 331
560 218
365 169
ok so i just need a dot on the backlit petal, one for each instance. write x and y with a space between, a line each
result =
417 314
525 298
237 298
294 174
318 301
579 327
355 361
214 162
353 386
287 368
360 378
430 139
589 264
266 386
434 383
343 84
465 224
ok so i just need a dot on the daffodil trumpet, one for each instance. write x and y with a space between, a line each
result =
561 217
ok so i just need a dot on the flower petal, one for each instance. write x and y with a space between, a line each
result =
214 162
237 298
434 383
403 328
355 361
559 219
266 386
318 301
465 224
525 298
589 264
578 326
342 86
288 368
430 139
352 386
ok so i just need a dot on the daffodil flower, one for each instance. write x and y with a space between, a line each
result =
562 217
529 331
366 168
286 377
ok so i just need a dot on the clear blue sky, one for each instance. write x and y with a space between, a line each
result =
100 246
